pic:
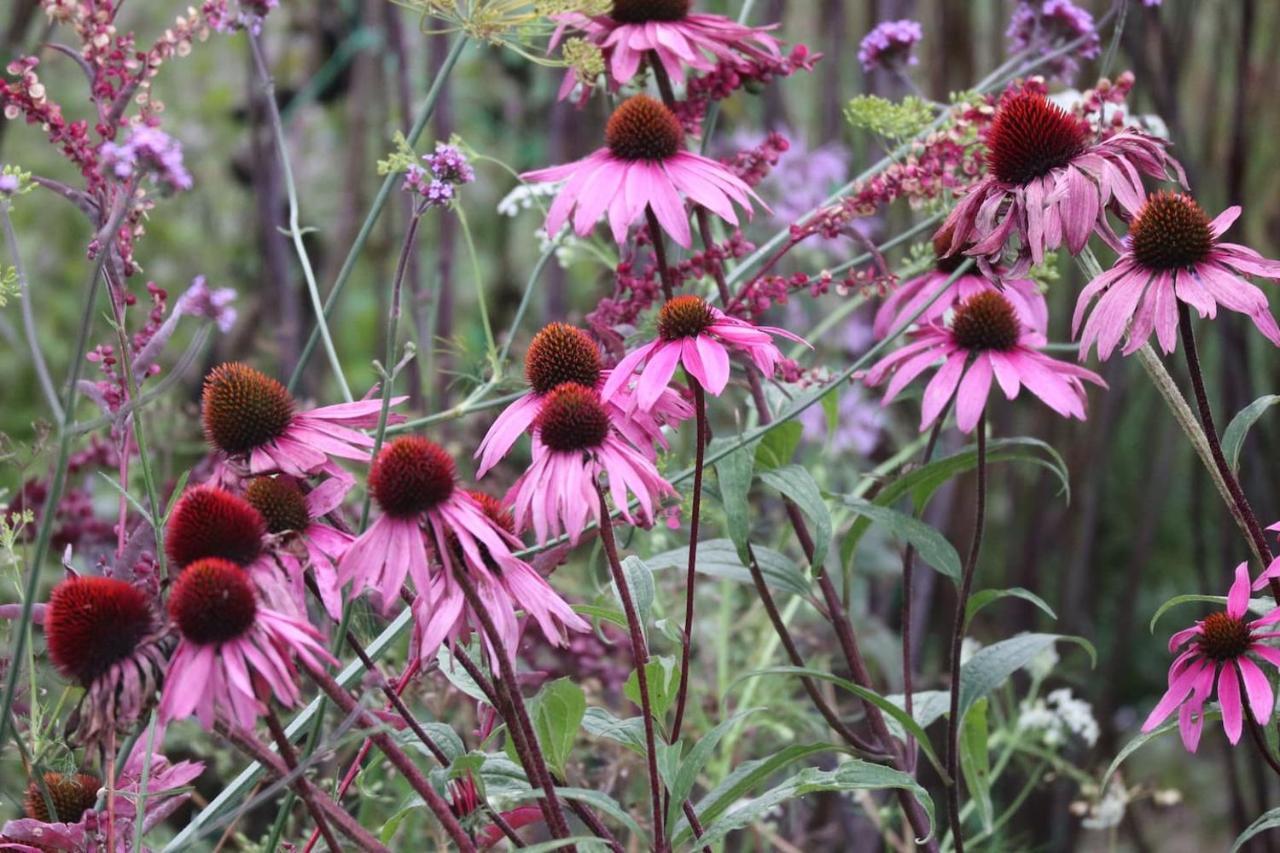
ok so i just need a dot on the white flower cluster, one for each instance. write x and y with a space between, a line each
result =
1057 716
1109 810
523 196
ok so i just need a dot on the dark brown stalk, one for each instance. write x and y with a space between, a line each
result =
957 639
1215 445
640 657
420 784
275 767
290 757
659 253
686 640
518 718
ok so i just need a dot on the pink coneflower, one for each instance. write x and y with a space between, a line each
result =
254 421
643 166
575 441
233 653
1048 184
76 825
296 536
698 337
1222 643
415 483
561 353
1173 253
102 633
211 522
678 36
441 611
987 339
910 296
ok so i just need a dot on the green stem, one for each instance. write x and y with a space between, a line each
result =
379 202
295 231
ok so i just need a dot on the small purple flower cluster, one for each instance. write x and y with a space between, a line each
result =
889 45
446 169
147 150
1053 23
248 16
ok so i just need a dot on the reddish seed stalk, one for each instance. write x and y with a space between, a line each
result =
396 756
957 639
1215 445
686 640
524 736
640 657
290 757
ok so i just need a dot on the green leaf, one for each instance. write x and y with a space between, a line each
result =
629 732
663 680
991 665
886 705
582 842
681 785
981 599
921 483
604 614
831 408
746 777
1141 740
733 474
975 762
458 676
1233 436
933 547
798 485
598 802
557 713
1261 606
640 583
1269 820
850 776
444 737
778 445
719 558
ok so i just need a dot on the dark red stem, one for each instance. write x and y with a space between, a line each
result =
686 644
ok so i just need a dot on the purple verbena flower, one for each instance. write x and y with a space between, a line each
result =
147 150
1052 23
889 44
450 165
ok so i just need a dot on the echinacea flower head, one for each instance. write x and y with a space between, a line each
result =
254 421
643 166
234 652
923 293
415 483
1220 648
561 353
889 44
103 634
1049 184
986 339
699 337
211 522
680 38
1172 253
73 794
442 612
575 442
297 536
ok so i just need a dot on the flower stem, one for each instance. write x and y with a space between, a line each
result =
275 766
908 576
640 657
518 722
686 640
420 784
379 202
28 317
295 230
1241 502
659 254
290 757
957 639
